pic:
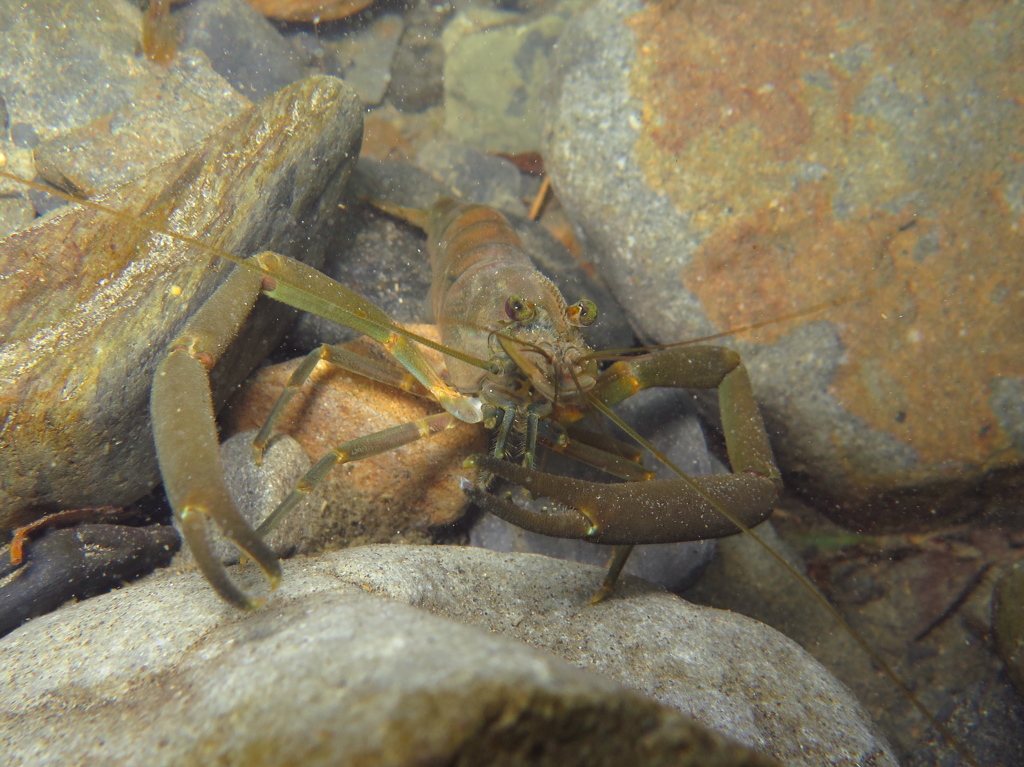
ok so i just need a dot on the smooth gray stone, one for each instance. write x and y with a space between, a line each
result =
326 674
163 672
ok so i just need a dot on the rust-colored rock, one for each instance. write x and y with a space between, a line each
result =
396 496
898 211
801 155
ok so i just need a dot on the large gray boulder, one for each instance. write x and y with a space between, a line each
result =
162 672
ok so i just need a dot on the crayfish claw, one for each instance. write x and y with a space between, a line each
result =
193 525
629 513
570 524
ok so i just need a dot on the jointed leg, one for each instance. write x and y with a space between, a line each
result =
185 433
354 450
390 375
303 287
620 555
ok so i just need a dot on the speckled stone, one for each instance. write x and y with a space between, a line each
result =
96 114
723 669
417 69
742 163
258 489
42 39
242 46
77 563
494 75
366 55
16 209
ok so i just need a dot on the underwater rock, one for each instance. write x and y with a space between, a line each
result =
99 114
396 496
364 57
16 208
478 176
727 671
78 563
257 489
494 75
327 677
738 164
91 306
922 602
169 116
41 39
242 46
327 668
417 69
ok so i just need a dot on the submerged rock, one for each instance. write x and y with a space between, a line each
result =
325 672
98 114
396 496
93 302
741 163
242 46
495 68
78 563
363 58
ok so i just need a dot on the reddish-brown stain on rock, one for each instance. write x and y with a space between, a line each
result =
777 129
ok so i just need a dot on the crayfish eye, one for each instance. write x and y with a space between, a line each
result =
582 313
519 309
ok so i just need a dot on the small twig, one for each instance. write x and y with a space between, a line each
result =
957 603
540 199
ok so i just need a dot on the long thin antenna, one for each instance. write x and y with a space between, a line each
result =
614 354
875 657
